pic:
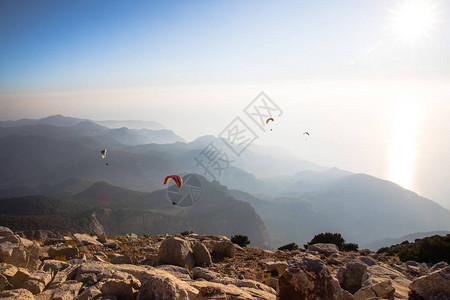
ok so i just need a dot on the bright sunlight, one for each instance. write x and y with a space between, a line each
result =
414 19
405 127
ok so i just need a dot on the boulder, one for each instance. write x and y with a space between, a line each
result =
119 259
122 288
102 238
6 235
90 293
383 290
64 275
67 290
53 265
132 236
325 249
380 272
163 287
275 266
150 259
433 284
350 276
232 291
4 283
13 253
63 252
368 260
86 239
210 292
202 256
308 278
37 281
206 274
438 266
8 270
224 249
416 269
178 272
18 294
176 251
19 277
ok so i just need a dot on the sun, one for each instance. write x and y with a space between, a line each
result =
414 19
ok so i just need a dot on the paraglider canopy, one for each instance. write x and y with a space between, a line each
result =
176 178
269 119
305 133
103 153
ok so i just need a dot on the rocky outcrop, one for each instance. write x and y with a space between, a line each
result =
381 272
63 251
224 249
18 294
14 251
308 278
86 239
100 271
202 256
436 284
176 251
351 275
325 249
383 290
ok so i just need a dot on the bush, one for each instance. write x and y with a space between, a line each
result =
333 238
431 249
349 247
328 238
291 246
241 240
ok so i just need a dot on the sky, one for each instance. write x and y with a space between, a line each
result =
368 79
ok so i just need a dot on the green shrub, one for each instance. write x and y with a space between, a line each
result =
333 238
349 247
291 246
431 249
241 240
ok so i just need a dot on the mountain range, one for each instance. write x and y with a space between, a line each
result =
294 199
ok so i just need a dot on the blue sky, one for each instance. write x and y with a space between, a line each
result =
60 45
337 68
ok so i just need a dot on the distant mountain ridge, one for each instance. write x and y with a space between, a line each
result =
62 121
66 126
121 211
293 207
375 245
360 207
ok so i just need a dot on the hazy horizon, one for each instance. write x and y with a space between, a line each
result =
373 95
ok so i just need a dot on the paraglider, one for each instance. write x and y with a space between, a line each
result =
267 121
176 178
307 134
103 153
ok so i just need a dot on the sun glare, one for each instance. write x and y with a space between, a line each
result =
414 19
403 151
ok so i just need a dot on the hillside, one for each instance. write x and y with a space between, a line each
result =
375 245
360 207
120 211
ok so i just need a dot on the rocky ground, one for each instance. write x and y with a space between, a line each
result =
41 265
